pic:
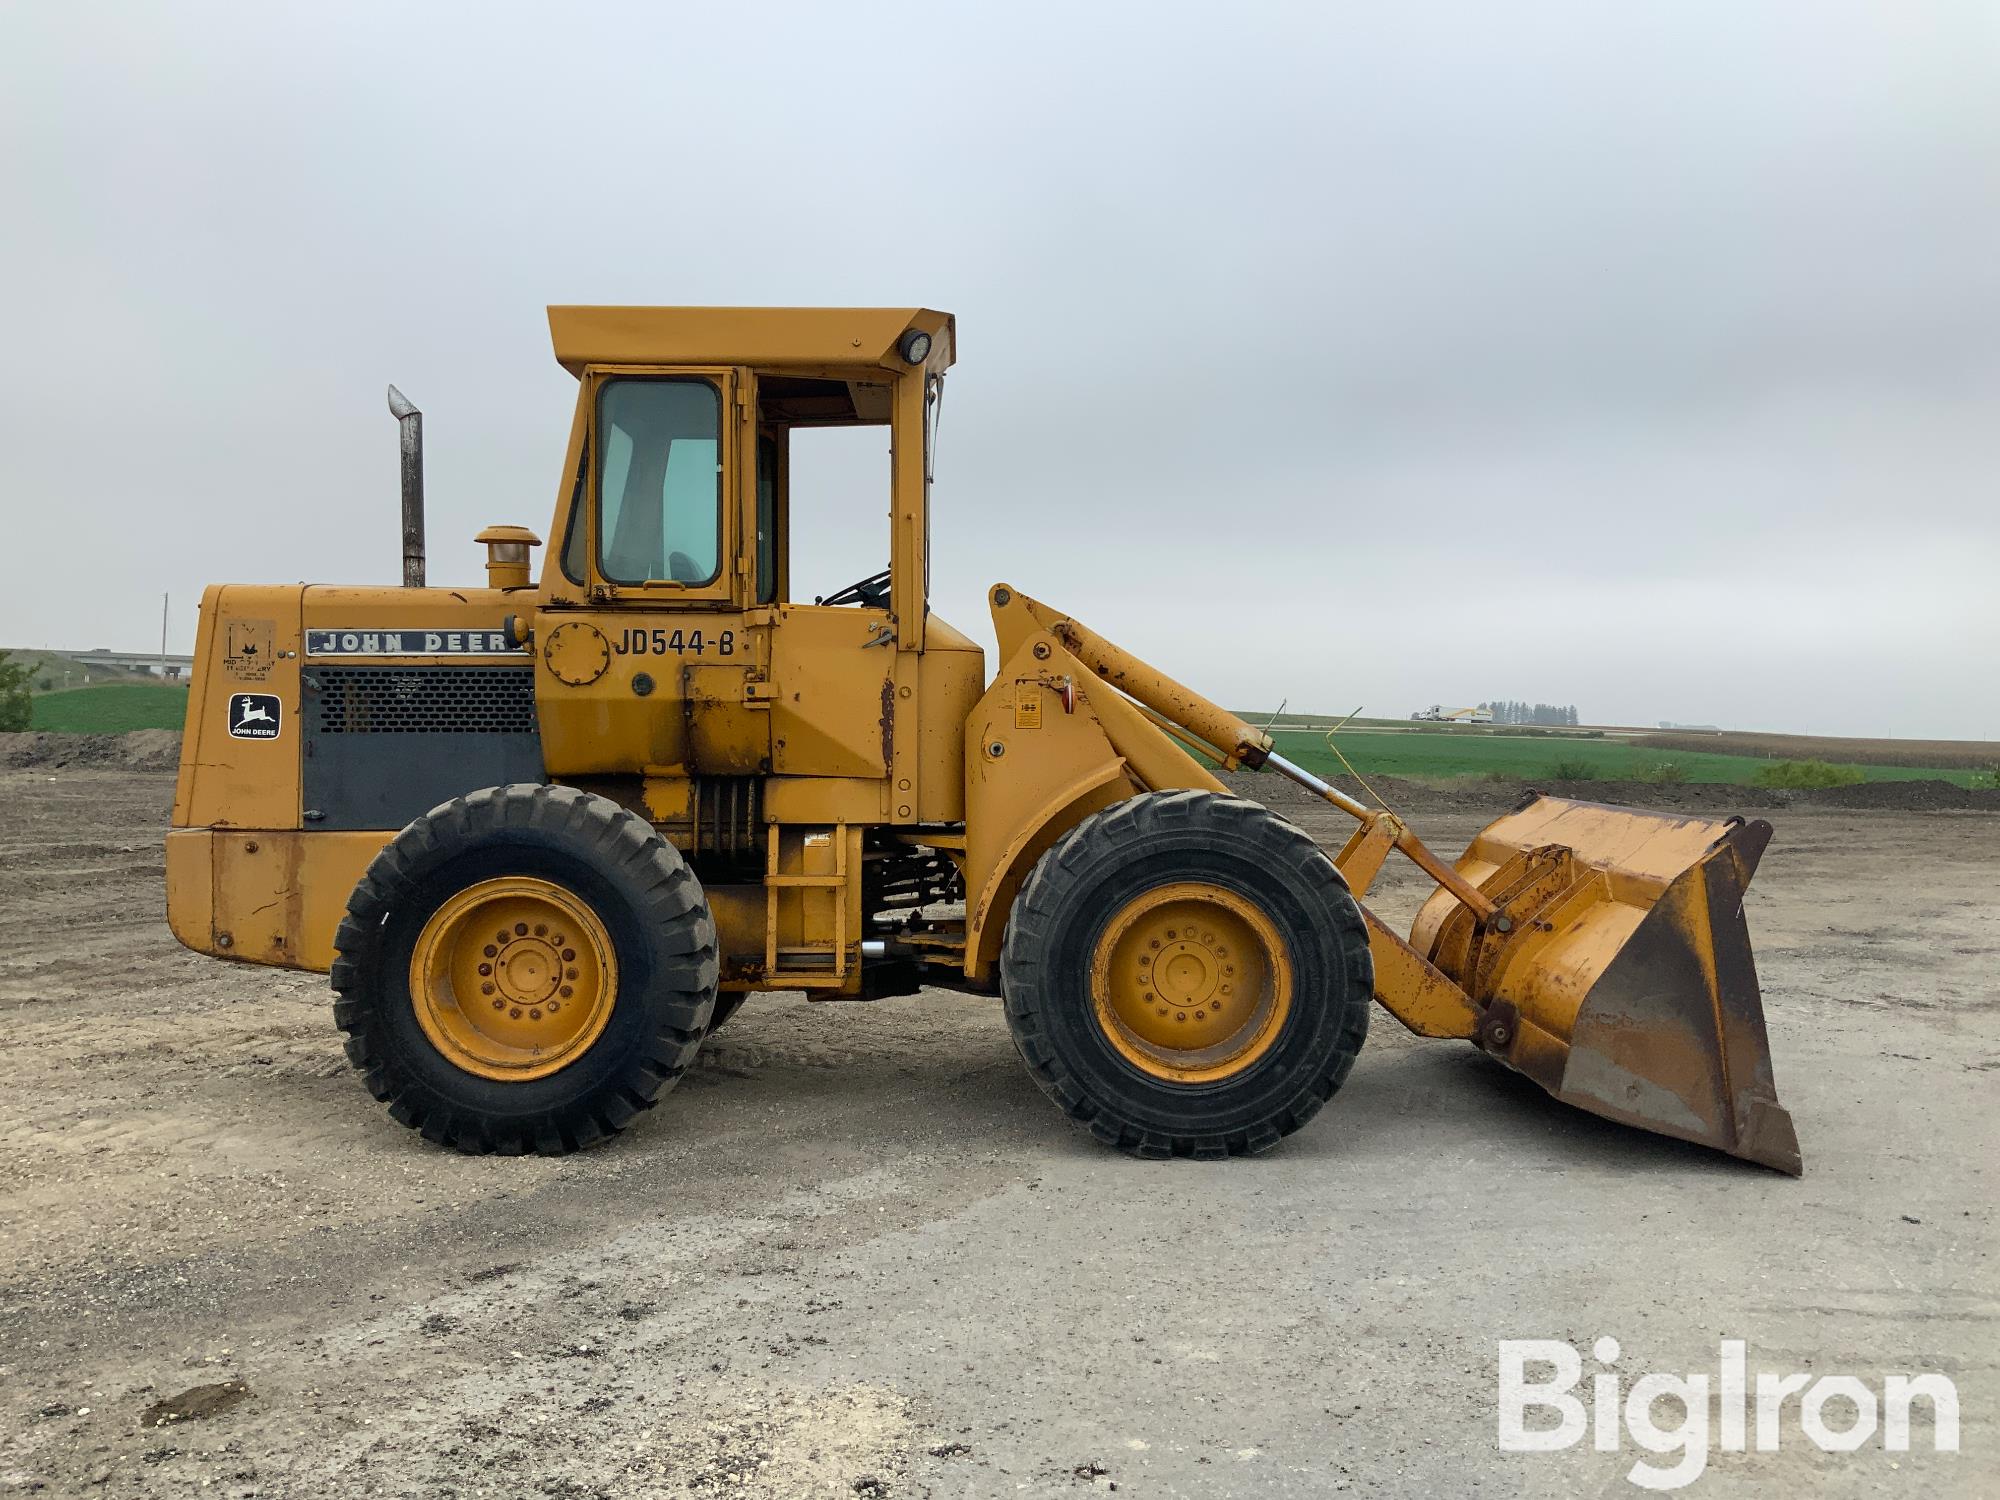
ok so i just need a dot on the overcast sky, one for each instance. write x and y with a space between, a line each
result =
1645 357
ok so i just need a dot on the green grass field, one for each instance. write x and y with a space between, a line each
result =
1531 758
111 708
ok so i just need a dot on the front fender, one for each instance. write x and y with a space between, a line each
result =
1048 745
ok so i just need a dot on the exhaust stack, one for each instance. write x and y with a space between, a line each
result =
410 421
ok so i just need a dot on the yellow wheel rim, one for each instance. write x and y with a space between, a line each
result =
513 978
1191 982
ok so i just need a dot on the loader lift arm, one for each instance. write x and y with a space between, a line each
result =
1601 951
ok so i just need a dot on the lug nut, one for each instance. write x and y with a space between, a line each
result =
486 989
499 1004
541 929
554 1006
534 1015
569 973
486 968
569 955
565 992
520 929
559 940
491 951
514 1013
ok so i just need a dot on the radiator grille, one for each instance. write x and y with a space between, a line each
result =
424 700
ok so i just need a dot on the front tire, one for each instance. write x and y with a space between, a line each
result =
1186 975
524 969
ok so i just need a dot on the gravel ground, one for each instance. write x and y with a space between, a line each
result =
856 1253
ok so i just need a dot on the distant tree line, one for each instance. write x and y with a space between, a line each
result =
1508 712
14 707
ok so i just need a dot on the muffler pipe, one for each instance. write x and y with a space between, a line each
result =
410 425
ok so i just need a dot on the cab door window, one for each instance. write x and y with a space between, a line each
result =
659 481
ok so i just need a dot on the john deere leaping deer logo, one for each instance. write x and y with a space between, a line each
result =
254 716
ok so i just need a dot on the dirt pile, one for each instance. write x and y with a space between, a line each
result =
1908 796
141 750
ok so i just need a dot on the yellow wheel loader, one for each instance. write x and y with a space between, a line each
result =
547 834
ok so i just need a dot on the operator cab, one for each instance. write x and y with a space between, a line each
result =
681 465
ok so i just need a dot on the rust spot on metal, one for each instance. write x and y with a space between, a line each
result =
888 721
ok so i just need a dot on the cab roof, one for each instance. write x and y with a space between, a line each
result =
761 336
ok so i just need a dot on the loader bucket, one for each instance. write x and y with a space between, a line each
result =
1617 972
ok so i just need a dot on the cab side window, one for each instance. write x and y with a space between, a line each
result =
659 481
574 550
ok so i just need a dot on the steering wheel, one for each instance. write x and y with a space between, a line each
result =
871 592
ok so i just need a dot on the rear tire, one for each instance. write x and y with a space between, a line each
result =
548 1041
1186 975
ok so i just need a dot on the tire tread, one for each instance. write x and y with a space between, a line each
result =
671 903
1057 887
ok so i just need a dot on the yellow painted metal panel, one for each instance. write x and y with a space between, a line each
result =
248 644
726 734
833 692
191 887
739 912
950 679
268 896
824 799
781 337
611 685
